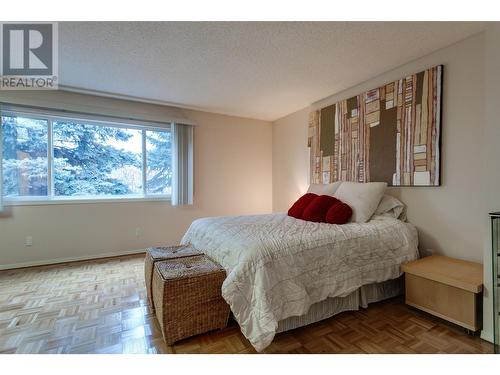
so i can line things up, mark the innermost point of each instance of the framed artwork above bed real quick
(391, 134)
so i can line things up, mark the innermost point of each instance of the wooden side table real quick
(446, 287)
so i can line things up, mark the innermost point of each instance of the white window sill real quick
(41, 201)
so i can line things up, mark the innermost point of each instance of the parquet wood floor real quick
(100, 306)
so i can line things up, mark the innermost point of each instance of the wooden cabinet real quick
(446, 287)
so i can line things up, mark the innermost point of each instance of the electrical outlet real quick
(138, 232)
(28, 241)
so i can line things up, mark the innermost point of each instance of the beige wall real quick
(290, 159)
(491, 181)
(233, 175)
(451, 219)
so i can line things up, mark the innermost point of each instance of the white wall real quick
(451, 219)
(233, 175)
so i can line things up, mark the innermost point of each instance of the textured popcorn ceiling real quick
(258, 70)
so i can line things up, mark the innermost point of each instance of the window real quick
(25, 156)
(49, 157)
(159, 162)
(92, 160)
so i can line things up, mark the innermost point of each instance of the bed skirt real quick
(331, 306)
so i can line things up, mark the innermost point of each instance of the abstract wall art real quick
(391, 133)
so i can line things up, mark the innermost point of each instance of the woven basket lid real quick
(187, 267)
(169, 252)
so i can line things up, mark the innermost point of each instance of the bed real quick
(283, 272)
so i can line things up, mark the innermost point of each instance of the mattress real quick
(278, 266)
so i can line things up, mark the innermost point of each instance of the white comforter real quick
(278, 266)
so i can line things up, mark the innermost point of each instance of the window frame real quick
(96, 120)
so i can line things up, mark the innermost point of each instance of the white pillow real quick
(324, 189)
(392, 207)
(363, 198)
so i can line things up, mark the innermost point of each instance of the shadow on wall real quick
(6, 212)
(428, 242)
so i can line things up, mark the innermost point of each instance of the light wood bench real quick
(446, 287)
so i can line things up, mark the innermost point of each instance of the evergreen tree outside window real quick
(25, 156)
(46, 157)
(92, 160)
(159, 162)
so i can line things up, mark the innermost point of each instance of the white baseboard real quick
(65, 260)
(487, 336)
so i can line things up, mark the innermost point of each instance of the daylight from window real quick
(159, 162)
(96, 160)
(25, 162)
(88, 160)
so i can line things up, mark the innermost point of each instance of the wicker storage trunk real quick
(187, 296)
(156, 254)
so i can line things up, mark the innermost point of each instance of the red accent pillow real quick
(317, 209)
(298, 207)
(339, 213)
